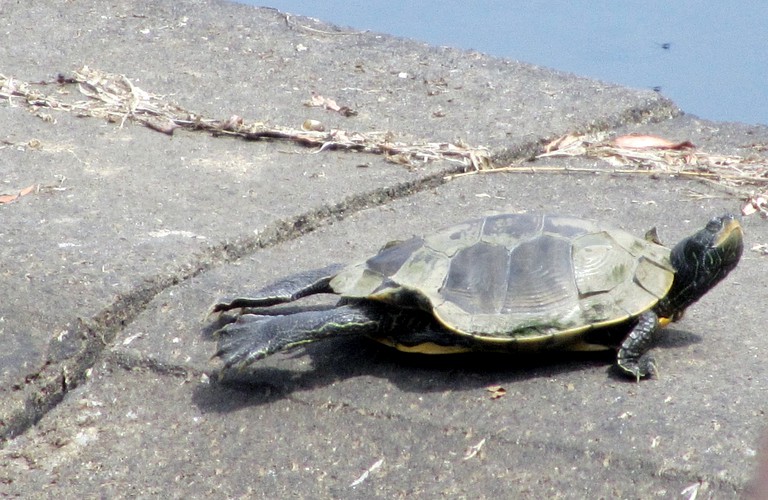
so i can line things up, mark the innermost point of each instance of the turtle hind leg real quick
(255, 337)
(286, 290)
(633, 358)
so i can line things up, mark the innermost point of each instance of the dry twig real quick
(115, 98)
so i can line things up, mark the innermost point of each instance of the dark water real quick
(711, 58)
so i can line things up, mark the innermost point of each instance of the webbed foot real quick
(244, 341)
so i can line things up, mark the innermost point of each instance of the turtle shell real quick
(517, 277)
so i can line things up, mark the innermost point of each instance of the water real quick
(711, 58)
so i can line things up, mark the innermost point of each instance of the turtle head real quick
(700, 262)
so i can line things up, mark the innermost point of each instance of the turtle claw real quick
(243, 342)
(642, 367)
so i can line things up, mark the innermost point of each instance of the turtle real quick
(499, 283)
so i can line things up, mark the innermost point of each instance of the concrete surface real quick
(109, 272)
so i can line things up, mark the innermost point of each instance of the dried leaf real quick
(496, 391)
(755, 204)
(8, 198)
(636, 141)
(161, 125)
(318, 101)
(27, 190)
(399, 159)
(562, 142)
(233, 123)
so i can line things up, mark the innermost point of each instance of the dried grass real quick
(116, 99)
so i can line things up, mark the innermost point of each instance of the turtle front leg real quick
(633, 358)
